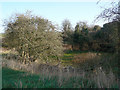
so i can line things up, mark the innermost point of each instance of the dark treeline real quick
(91, 38)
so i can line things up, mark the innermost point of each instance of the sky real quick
(54, 11)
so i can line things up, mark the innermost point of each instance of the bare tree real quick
(112, 13)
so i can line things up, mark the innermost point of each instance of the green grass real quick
(75, 52)
(19, 79)
(107, 61)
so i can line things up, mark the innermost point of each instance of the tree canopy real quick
(34, 38)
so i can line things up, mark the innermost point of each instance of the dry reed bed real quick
(101, 79)
(65, 74)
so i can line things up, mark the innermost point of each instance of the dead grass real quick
(95, 67)
(61, 80)
(79, 58)
(104, 80)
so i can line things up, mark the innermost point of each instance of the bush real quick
(34, 38)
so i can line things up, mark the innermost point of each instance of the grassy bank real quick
(19, 79)
(92, 60)
(99, 70)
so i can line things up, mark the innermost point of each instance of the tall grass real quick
(93, 71)
(19, 79)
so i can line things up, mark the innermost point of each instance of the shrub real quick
(34, 38)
